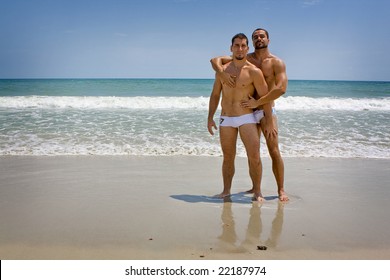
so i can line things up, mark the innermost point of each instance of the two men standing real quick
(248, 81)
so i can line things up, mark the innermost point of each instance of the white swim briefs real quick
(237, 121)
(259, 114)
(254, 117)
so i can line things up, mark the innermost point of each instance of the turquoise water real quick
(168, 117)
(179, 87)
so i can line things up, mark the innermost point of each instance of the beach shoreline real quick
(162, 207)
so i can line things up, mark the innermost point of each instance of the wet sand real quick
(123, 207)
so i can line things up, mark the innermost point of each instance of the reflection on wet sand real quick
(229, 241)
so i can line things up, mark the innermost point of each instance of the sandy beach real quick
(128, 207)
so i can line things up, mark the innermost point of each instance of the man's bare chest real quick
(265, 65)
(242, 79)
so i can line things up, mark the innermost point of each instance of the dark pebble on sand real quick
(262, 248)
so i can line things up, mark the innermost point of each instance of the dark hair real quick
(240, 36)
(266, 32)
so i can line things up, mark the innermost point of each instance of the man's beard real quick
(239, 57)
(261, 47)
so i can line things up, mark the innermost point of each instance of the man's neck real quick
(262, 53)
(239, 63)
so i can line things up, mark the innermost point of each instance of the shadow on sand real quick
(242, 197)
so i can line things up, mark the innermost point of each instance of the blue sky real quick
(318, 39)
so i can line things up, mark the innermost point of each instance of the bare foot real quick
(222, 195)
(283, 197)
(258, 198)
(250, 191)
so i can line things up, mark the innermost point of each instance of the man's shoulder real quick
(253, 70)
(275, 59)
(251, 67)
(250, 55)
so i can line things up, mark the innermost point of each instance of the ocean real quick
(167, 117)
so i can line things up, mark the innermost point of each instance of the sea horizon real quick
(174, 78)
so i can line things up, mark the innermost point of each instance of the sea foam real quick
(191, 103)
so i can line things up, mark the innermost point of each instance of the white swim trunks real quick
(237, 121)
(259, 114)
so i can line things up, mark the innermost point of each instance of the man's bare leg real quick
(252, 190)
(228, 138)
(249, 137)
(277, 162)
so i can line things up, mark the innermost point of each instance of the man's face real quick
(260, 40)
(239, 48)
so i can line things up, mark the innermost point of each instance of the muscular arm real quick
(259, 81)
(280, 84)
(213, 104)
(262, 89)
(217, 64)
